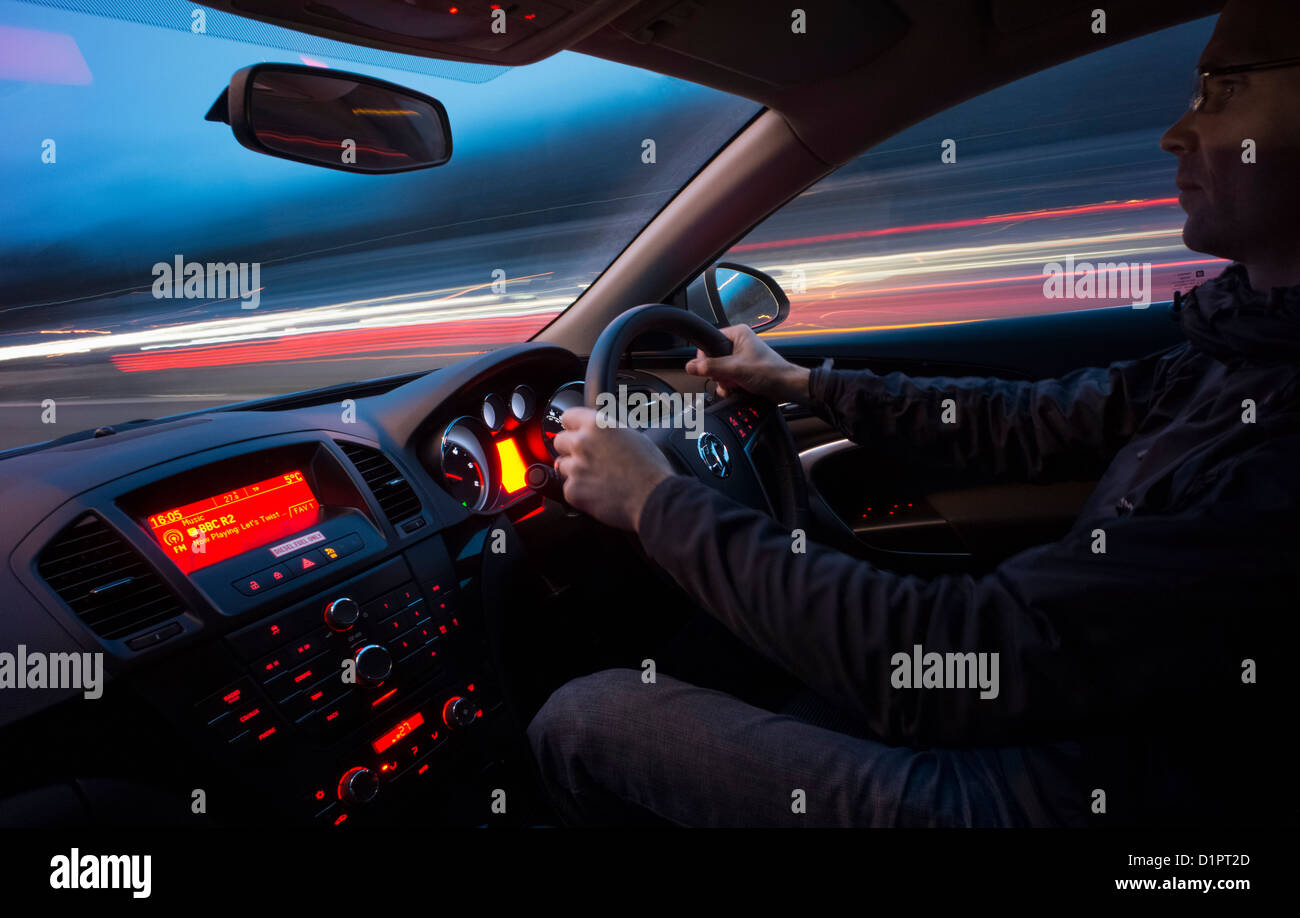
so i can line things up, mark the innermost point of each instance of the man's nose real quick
(1180, 139)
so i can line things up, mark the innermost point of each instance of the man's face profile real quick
(1238, 209)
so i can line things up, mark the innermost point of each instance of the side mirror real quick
(338, 120)
(731, 294)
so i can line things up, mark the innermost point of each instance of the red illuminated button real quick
(296, 680)
(398, 624)
(233, 696)
(385, 605)
(273, 576)
(308, 562)
(251, 586)
(308, 645)
(270, 667)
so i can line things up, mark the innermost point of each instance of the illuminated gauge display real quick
(523, 402)
(570, 395)
(466, 474)
(494, 412)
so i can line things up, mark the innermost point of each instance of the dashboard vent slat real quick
(396, 497)
(104, 580)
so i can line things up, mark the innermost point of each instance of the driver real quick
(1131, 664)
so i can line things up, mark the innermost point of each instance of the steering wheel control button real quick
(373, 664)
(743, 420)
(342, 614)
(714, 453)
(358, 785)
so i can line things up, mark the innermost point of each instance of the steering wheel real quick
(743, 448)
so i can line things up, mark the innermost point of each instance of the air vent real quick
(104, 580)
(391, 489)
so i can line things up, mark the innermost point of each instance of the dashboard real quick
(492, 434)
(288, 593)
(483, 458)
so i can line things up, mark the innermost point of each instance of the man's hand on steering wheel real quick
(752, 366)
(608, 472)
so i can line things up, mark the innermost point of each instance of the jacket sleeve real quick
(1159, 622)
(1052, 429)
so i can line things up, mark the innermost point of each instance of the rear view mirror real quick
(337, 120)
(731, 294)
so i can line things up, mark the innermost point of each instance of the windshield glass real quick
(113, 179)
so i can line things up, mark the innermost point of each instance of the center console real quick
(295, 610)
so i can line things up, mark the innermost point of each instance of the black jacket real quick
(1197, 498)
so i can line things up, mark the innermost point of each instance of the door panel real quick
(926, 522)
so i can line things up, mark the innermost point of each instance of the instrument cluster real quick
(482, 458)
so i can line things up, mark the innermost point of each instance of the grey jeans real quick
(614, 750)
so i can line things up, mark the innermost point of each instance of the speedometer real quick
(466, 474)
(567, 396)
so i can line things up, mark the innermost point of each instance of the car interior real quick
(421, 542)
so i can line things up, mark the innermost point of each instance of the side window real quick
(1046, 195)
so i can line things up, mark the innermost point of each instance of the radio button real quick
(340, 712)
(384, 606)
(265, 636)
(397, 624)
(272, 665)
(310, 644)
(401, 647)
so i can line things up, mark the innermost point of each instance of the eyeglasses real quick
(1213, 92)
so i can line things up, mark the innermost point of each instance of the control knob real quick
(459, 712)
(358, 785)
(342, 614)
(372, 664)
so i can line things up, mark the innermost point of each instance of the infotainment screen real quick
(227, 524)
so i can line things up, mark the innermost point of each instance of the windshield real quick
(113, 179)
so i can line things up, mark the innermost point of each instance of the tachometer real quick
(466, 474)
(569, 395)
